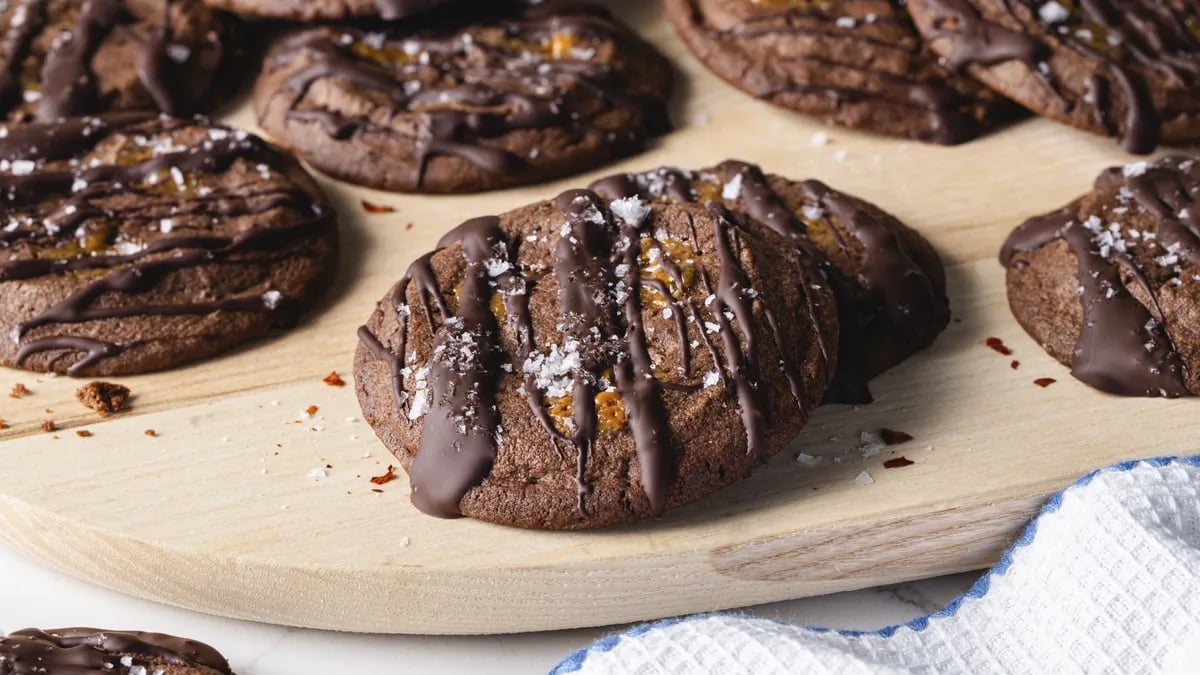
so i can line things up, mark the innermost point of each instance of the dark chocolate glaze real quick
(76, 651)
(928, 88)
(48, 207)
(605, 327)
(1124, 347)
(1128, 40)
(67, 82)
(467, 92)
(889, 282)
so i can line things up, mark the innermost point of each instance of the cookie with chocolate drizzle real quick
(131, 243)
(69, 58)
(315, 10)
(533, 93)
(583, 362)
(89, 650)
(888, 280)
(1124, 68)
(856, 63)
(1108, 283)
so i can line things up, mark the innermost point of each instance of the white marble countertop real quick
(33, 596)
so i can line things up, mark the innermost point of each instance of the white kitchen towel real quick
(1106, 579)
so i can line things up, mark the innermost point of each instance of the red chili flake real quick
(1015, 364)
(151, 433)
(311, 410)
(891, 437)
(49, 426)
(1044, 381)
(998, 345)
(898, 462)
(83, 433)
(19, 391)
(334, 380)
(385, 478)
(377, 208)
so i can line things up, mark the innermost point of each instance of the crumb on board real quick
(898, 462)
(864, 478)
(334, 380)
(1015, 364)
(997, 345)
(19, 391)
(1044, 382)
(311, 410)
(385, 478)
(105, 398)
(408, 226)
(83, 433)
(49, 426)
(370, 207)
(893, 437)
(3, 424)
(151, 433)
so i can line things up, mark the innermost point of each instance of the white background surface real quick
(33, 596)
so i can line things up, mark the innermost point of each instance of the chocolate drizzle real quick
(1124, 345)
(888, 282)
(90, 650)
(66, 84)
(1130, 43)
(56, 206)
(599, 265)
(873, 56)
(467, 87)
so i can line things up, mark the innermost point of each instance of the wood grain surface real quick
(219, 513)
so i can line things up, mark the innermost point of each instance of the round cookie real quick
(888, 280)
(68, 58)
(593, 362)
(315, 10)
(1125, 68)
(855, 63)
(90, 650)
(133, 243)
(551, 90)
(1110, 284)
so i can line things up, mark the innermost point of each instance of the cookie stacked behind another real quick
(534, 92)
(77, 651)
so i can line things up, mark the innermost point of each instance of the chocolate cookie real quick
(549, 91)
(68, 58)
(857, 63)
(584, 362)
(888, 280)
(132, 243)
(312, 10)
(1127, 68)
(89, 650)
(1110, 284)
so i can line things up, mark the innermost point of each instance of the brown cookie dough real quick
(855, 63)
(1110, 284)
(310, 10)
(593, 361)
(888, 280)
(131, 243)
(1125, 68)
(542, 92)
(89, 650)
(67, 58)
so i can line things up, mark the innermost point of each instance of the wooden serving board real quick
(218, 512)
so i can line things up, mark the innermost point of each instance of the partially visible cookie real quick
(68, 58)
(1110, 284)
(888, 279)
(133, 243)
(584, 362)
(855, 63)
(1125, 68)
(543, 91)
(76, 651)
(313, 10)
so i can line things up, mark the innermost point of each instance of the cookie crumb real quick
(898, 462)
(49, 426)
(83, 433)
(151, 433)
(3, 424)
(377, 208)
(892, 437)
(334, 380)
(386, 478)
(311, 410)
(1044, 382)
(19, 391)
(1015, 364)
(998, 345)
(408, 226)
(105, 398)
